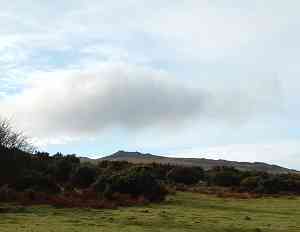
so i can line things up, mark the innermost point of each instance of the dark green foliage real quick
(292, 182)
(13, 162)
(271, 184)
(275, 184)
(62, 170)
(108, 192)
(136, 181)
(113, 167)
(226, 176)
(160, 171)
(7, 194)
(84, 176)
(251, 183)
(61, 167)
(40, 172)
(37, 182)
(185, 175)
(102, 182)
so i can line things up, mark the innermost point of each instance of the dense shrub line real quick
(62, 180)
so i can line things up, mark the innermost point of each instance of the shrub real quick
(13, 162)
(268, 184)
(160, 171)
(7, 194)
(37, 182)
(226, 177)
(250, 183)
(101, 184)
(62, 170)
(186, 175)
(113, 167)
(271, 185)
(84, 177)
(107, 193)
(137, 181)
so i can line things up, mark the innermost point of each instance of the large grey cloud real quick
(130, 97)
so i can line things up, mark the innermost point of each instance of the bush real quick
(186, 175)
(113, 167)
(108, 192)
(7, 194)
(160, 171)
(271, 185)
(226, 177)
(63, 170)
(13, 163)
(37, 182)
(138, 181)
(101, 183)
(251, 183)
(84, 177)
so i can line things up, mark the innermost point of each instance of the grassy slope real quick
(183, 212)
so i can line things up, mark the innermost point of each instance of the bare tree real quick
(11, 138)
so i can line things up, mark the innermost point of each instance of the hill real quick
(137, 157)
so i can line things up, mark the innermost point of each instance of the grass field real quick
(183, 212)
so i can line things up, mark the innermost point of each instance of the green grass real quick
(183, 212)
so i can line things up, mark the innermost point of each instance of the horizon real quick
(172, 156)
(182, 78)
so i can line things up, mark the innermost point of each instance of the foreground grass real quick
(183, 212)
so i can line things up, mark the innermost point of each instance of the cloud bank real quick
(130, 97)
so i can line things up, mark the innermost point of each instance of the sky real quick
(214, 79)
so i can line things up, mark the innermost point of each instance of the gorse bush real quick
(36, 182)
(250, 183)
(185, 175)
(84, 177)
(135, 181)
(13, 163)
(114, 167)
(225, 176)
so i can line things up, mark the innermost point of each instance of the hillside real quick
(137, 157)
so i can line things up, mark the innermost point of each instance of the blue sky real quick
(216, 79)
